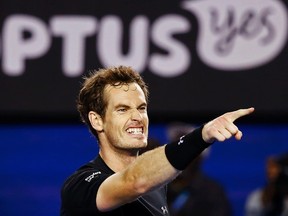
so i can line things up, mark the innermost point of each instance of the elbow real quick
(139, 185)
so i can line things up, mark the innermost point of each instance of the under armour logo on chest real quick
(181, 140)
(164, 210)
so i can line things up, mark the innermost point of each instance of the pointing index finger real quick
(239, 113)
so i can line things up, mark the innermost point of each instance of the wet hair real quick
(91, 96)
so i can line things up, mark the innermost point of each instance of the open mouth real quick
(135, 131)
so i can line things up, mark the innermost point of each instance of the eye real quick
(122, 110)
(143, 109)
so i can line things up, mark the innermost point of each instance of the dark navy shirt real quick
(79, 191)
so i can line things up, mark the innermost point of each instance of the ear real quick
(96, 121)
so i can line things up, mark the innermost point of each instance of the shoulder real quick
(88, 177)
(79, 191)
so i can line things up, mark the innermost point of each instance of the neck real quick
(118, 161)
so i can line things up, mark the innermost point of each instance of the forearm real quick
(151, 170)
(163, 164)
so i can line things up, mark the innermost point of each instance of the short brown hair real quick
(91, 95)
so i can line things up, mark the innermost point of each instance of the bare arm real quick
(149, 171)
(152, 169)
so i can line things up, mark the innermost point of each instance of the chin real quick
(136, 143)
(142, 145)
(139, 145)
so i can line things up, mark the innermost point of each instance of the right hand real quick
(223, 128)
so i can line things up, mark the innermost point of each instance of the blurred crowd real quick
(272, 199)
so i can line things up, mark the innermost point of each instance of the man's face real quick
(126, 121)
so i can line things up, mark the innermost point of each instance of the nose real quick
(136, 115)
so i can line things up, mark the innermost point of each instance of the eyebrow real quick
(127, 106)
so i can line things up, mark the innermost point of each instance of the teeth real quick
(135, 130)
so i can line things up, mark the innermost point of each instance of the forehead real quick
(124, 93)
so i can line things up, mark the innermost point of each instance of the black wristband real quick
(182, 152)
